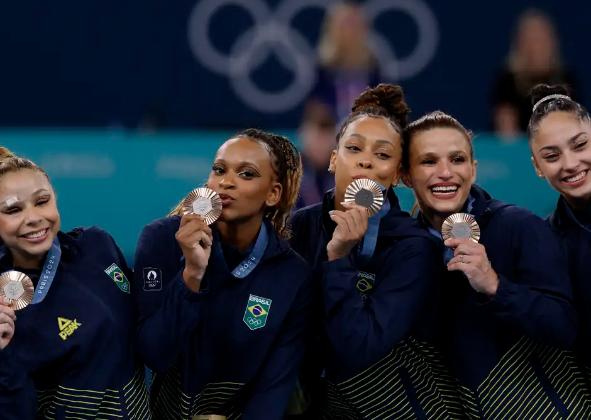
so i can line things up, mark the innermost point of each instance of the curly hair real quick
(386, 101)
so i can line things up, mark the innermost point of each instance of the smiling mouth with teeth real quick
(444, 190)
(36, 234)
(576, 177)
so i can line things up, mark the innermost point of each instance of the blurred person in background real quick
(534, 58)
(317, 134)
(347, 64)
(560, 141)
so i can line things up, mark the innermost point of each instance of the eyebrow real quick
(241, 163)
(13, 202)
(379, 141)
(571, 140)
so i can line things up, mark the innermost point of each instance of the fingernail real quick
(343, 203)
(331, 212)
(447, 241)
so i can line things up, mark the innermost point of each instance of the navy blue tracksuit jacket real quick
(378, 318)
(72, 355)
(509, 352)
(207, 356)
(574, 232)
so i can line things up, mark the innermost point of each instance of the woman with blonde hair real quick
(347, 64)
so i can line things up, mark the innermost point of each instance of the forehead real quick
(439, 140)
(559, 127)
(22, 184)
(373, 128)
(244, 149)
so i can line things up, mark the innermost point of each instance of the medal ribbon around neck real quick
(52, 261)
(370, 239)
(245, 267)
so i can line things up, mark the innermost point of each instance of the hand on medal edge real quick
(195, 239)
(470, 258)
(351, 227)
(7, 318)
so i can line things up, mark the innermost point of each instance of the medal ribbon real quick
(245, 267)
(368, 246)
(52, 261)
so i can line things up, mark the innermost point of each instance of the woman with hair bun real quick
(560, 141)
(379, 281)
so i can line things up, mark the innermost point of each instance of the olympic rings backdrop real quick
(238, 63)
(121, 182)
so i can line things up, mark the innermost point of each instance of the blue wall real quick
(101, 63)
(121, 182)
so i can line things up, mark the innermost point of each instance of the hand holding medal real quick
(363, 199)
(202, 207)
(16, 292)
(461, 233)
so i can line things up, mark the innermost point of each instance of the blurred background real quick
(124, 104)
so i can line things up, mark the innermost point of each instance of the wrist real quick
(492, 285)
(192, 277)
(336, 251)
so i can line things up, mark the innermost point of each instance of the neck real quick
(27, 261)
(435, 219)
(241, 234)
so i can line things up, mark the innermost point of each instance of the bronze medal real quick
(18, 288)
(204, 202)
(460, 226)
(366, 193)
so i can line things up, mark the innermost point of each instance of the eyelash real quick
(553, 157)
(14, 210)
(357, 149)
(247, 174)
(457, 159)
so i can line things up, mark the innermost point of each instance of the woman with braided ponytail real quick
(221, 340)
(379, 282)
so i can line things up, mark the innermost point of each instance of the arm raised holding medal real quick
(195, 239)
(351, 227)
(173, 311)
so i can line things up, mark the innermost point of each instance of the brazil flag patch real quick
(257, 311)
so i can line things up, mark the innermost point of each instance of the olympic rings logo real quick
(254, 322)
(273, 33)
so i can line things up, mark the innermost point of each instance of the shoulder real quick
(290, 260)
(91, 235)
(162, 226)
(306, 214)
(90, 242)
(517, 216)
